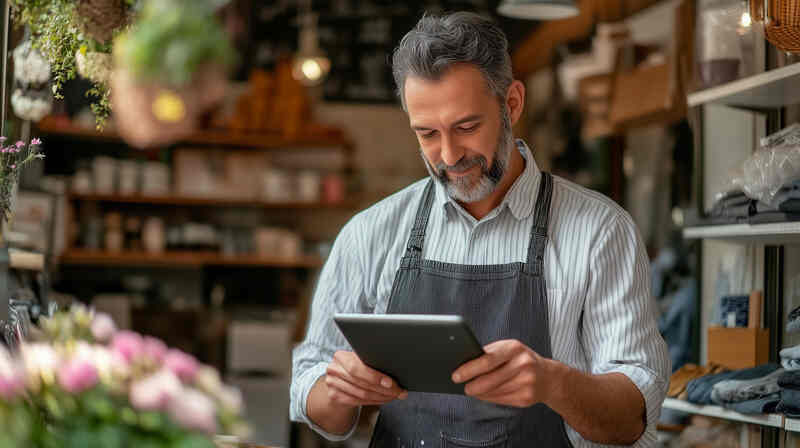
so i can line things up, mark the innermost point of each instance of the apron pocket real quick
(453, 442)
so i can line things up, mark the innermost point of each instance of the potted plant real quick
(170, 68)
(81, 383)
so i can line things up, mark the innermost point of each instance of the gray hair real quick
(438, 42)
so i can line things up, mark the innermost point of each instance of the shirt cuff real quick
(653, 389)
(310, 378)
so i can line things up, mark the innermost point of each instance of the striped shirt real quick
(602, 316)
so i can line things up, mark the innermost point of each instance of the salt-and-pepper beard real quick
(464, 189)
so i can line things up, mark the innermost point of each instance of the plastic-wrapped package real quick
(773, 166)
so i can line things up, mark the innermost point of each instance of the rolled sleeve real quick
(620, 332)
(652, 387)
(339, 289)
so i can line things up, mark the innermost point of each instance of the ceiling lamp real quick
(538, 9)
(310, 65)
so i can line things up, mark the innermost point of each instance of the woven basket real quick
(781, 22)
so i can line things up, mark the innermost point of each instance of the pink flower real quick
(36, 141)
(194, 411)
(128, 344)
(13, 166)
(183, 365)
(77, 375)
(12, 381)
(19, 144)
(154, 349)
(156, 392)
(2, 139)
(103, 327)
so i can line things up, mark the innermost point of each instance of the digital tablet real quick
(419, 351)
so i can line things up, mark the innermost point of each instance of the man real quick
(551, 276)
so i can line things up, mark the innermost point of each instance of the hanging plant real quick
(175, 50)
(60, 29)
(31, 98)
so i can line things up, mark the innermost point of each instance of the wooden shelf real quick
(207, 202)
(183, 259)
(773, 420)
(20, 259)
(771, 89)
(221, 138)
(774, 233)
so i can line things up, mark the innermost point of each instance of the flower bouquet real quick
(81, 383)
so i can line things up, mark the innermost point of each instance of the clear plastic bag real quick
(774, 165)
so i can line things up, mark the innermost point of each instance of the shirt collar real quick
(519, 198)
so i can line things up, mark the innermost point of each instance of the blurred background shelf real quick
(183, 258)
(272, 141)
(20, 259)
(773, 420)
(771, 89)
(208, 201)
(773, 233)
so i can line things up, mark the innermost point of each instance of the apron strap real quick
(541, 220)
(417, 238)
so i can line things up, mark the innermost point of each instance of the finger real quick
(497, 353)
(367, 375)
(363, 395)
(488, 383)
(339, 371)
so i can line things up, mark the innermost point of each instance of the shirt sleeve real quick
(339, 289)
(620, 333)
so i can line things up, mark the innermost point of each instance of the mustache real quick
(461, 166)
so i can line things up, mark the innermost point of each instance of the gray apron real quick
(507, 301)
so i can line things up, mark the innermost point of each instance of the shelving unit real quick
(31, 261)
(183, 259)
(769, 234)
(766, 93)
(769, 90)
(772, 420)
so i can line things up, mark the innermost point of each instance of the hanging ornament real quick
(31, 98)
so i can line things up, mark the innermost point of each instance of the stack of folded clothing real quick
(699, 391)
(789, 383)
(734, 206)
(749, 396)
(681, 377)
(790, 358)
(793, 321)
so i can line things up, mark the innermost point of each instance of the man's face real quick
(464, 134)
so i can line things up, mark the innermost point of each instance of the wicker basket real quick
(781, 22)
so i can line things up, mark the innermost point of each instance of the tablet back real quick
(420, 352)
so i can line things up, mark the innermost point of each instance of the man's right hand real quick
(350, 383)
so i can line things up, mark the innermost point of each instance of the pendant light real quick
(310, 65)
(538, 9)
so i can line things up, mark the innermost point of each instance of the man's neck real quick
(479, 209)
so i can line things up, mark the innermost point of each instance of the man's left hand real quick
(510, 373)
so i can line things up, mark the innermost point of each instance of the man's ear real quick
(515, 100)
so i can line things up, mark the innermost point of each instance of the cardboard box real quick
(738, 348)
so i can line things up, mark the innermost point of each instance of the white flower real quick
(157, 391)
(29, 108)
(103, 327)
(194, 410)
(208, 380)
(30, 66)
(231, 399)
(41, 362)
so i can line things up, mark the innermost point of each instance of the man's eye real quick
(428, 134)
(469, 128)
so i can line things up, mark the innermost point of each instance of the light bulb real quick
(311, 69)
(746, 20)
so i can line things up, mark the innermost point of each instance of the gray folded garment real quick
(790, 363)
(734, 391)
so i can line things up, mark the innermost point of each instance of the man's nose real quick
(451, 153)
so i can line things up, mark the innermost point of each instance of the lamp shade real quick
(538, 9)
